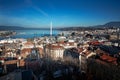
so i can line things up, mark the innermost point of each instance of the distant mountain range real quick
(10, 28)
(107, 25)
(112, 24)
(19, 28)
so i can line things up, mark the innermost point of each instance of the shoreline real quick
(5, 34)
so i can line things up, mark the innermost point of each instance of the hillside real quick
(10, 28)
(107, 25)
(21, 28)
(112, 24)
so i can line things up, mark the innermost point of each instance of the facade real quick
(55, 51)
(71, 52)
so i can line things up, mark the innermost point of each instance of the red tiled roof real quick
(108, 58)
(1, 58)
(71, 43)
(95, 43)
(61, 42)
(102, 62)
(26, 50)
(54, 46)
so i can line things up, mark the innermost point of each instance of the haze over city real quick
(63, 13)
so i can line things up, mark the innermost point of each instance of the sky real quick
(62, 13)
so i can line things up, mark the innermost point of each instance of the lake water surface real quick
(33, 33)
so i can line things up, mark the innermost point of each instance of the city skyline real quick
(62, 13)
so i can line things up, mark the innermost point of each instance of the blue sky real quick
(63, 13)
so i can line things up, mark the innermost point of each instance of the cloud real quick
(29, 2)
(41, 11)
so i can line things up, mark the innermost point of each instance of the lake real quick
(33, 33)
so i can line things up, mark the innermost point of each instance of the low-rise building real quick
(54, 50)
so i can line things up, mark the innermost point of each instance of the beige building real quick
(55, 51)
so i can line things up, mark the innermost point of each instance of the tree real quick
(73, 34)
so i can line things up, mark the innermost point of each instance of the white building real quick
(12, 40)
